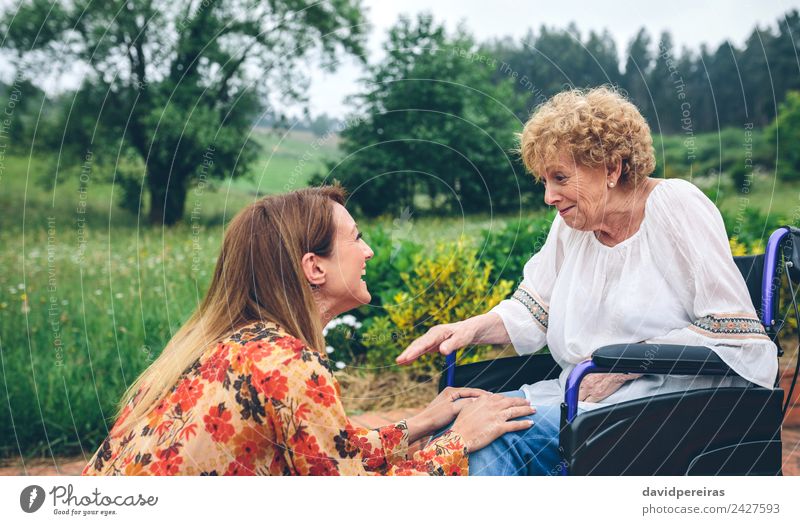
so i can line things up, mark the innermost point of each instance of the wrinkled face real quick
(579, 192)
(344, 286)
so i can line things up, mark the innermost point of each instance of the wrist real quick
(473, 328)
(418, 426)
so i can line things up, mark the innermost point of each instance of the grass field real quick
(89, 294)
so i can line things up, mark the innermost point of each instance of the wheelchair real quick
(711, 432)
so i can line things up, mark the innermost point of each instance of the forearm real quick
(419, 426)
(487, 329)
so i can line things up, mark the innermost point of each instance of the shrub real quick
(450, 285)
(509, 249)
(393, 257)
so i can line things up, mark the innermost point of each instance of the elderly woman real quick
(628, 259)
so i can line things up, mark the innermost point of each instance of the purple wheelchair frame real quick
(588, 367)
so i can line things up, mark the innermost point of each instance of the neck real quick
(325, 309)
(623, 214)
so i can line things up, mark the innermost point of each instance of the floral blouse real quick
(261, 402)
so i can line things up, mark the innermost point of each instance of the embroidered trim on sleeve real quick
(729, 326)
(536, 307)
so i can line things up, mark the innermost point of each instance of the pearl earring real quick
(611, 184)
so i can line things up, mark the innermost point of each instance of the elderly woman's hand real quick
(486, 329)
(444, 338)
(596, 387)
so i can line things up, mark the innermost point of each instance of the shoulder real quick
(683, 219)
(274, 363)
(678, 202)
(266, 349)
(679, 192)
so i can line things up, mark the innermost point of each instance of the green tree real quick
(178, 81)
(785, 131)
(637, 71)
(432, 123)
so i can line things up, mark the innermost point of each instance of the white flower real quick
(349, 320)
(329, 349)
(118, 295)
(340, 364)
(21, 286)
(98, 291)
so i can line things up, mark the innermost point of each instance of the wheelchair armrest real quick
(641, 358)
(644, 358)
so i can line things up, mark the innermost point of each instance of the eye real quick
(359, 236)
(559, 177)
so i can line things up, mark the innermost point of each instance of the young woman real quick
(245, 387)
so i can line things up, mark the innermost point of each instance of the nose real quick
(551, 197)
(368, 253)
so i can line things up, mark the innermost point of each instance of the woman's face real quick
(344, 288)
(578, 192)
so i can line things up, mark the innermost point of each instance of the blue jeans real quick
(531, 452)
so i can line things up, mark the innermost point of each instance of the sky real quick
(691, 23)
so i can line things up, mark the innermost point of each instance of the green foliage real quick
(787, 127)
(393, 257)
(734, 151)
(450, 285)
(750, 228)
(433, 123)
(509, 249)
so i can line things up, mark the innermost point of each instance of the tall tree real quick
(665, 81)
(637, 70)
(433, 123)
(180, 81)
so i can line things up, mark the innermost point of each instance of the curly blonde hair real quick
(598, 126)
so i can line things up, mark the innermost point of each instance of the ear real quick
(314, 271)
(614, 172)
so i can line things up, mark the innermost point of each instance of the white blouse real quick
(673, 282)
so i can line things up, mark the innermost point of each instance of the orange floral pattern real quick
(262, 402)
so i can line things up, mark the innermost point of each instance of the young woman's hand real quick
(441, 411)
(488, 417)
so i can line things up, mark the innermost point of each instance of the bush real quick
(509, 249)
(393, 257)
(750, 228)
(451, 285)
(787, 127)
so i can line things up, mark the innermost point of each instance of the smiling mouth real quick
(565, 210)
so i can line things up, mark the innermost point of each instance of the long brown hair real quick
(258, 277)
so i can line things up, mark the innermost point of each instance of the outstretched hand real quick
(443, 338)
